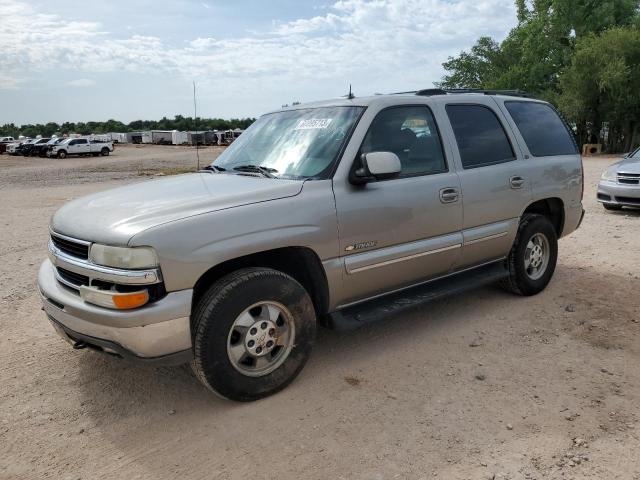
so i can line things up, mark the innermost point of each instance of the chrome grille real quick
(71, 247)
(629, 178)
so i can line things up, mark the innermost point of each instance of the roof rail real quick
(446, 91)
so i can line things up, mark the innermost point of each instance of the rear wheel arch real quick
(300, 263)
(552, 208)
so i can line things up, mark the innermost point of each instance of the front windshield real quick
(293, 144)
(635, 154)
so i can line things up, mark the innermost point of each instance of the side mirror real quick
(376, 166)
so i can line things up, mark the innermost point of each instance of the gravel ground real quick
(484, 386)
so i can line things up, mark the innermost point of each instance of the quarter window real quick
(411, 133)
(480, 136)
(543, 130)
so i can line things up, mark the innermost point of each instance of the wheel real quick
(533, 257)
(104, 152)
(61, 154)
(253, 332)
(611, 206)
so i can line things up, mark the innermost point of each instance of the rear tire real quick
(611, 206)
(253, 333)
(533, 257)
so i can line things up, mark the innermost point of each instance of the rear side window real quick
(480, 136)
(542, 129)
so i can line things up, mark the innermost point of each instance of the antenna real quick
(195, 124)
(351, 95)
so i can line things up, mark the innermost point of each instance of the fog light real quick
(112, 299)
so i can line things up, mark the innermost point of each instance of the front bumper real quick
(159, 332)
(616, 194)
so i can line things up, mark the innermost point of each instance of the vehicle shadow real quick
(131, 405)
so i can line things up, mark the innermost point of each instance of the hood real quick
(629, 165)
(114, 216)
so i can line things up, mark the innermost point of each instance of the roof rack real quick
(428, 92)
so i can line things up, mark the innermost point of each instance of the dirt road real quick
(488, 385)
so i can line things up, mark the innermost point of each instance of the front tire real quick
(61, 154)
(533, 257)
(253, 333)
(104, 152)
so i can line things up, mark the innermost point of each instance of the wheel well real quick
(553, 209)
(301, 263)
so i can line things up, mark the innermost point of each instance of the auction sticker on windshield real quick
(313, 123)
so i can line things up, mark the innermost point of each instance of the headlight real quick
(122, 257)
(610, 174)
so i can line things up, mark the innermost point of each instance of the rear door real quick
(494, 177)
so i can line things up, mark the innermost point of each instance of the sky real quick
(82, 60)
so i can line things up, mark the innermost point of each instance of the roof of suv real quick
(400, 98)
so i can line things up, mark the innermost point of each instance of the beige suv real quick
(342, 212)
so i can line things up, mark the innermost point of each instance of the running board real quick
(350, 318)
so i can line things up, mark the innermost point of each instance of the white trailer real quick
(117, 137)
(147, 137)
(179, 138)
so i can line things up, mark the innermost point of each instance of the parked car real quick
(620, 183)
(80, 146)
(41, 149)
(341, 212)
(4, 141)
(28, 149)
(15, 147)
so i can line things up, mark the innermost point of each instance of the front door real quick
(398, 232)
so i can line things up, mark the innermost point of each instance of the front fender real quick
(189, 247)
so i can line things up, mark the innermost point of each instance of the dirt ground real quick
(484, 386)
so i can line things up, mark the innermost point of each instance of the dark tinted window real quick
(480, 136)
(411, 133)
(542, 129)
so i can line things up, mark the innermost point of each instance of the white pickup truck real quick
(80, 146)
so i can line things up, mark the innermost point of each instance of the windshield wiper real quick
(213, 168)
(265, 171)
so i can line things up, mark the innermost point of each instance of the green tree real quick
(537, 50)
(602, 83)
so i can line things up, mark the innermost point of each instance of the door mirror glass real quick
(378, 166)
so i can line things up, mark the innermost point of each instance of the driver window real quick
(73, 142)
(410, 133)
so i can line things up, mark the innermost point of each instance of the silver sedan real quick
(620, 183)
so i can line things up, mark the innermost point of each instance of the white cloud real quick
(376, 45)
(81, 82)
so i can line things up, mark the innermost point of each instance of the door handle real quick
(516, 181)
(449, 195)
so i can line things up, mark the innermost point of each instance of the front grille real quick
(628, 200)
(629, 178)
(75, 249)
(73, 277)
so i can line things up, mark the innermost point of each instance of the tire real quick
(61, 154)
(611, 206)
(534, 231)
(104, 152)
(246, 296)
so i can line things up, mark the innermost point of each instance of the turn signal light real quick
(112, 299)
(130, 300)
